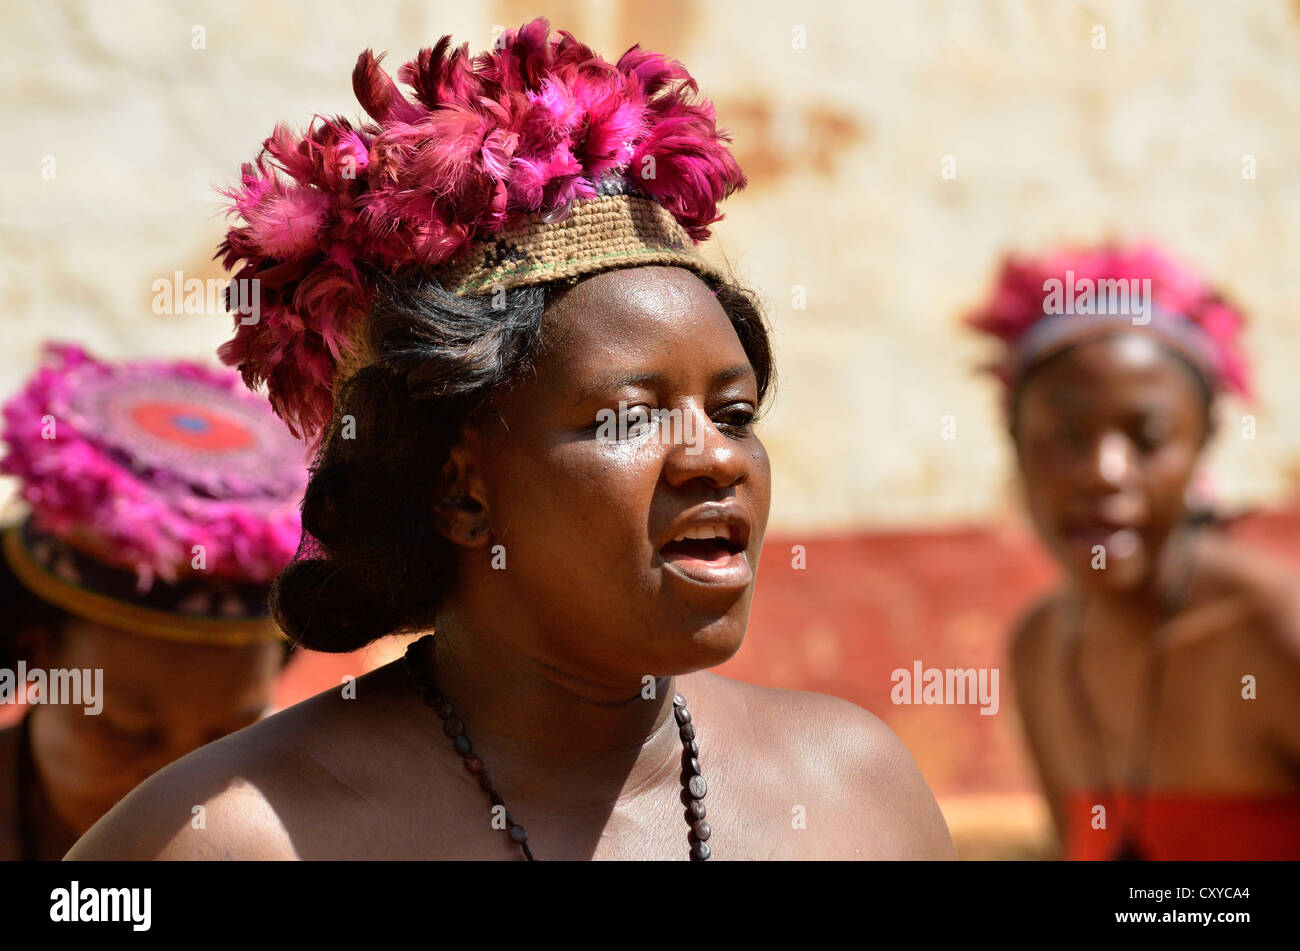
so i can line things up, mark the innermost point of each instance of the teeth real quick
(705, 532)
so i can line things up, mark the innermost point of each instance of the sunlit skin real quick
(161, 700)
(1108, 436)
(563, 663)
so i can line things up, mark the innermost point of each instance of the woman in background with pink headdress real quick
(160, 500)
(1160, 685)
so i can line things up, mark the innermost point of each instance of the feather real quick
(484, 143)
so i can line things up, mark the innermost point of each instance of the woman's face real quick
(1108, 434)
(589, 499)
(160, 700)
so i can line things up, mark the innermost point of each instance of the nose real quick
(700, 450)
(1112, 461)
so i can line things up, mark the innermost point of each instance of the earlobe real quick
(462, 526)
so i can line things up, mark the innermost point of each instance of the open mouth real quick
(709, 554)
(1120, 541)
(706, 544)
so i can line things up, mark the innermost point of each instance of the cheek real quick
(1044, 484)
(573, 498)
(1167, 480)
(96, 755)
(760, 485)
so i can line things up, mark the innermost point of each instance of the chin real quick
(1120, 576)
(707, 646)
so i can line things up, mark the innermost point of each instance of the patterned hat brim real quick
(195, 611)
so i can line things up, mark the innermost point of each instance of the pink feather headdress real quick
(492, 151)
(1190, 315)
(152, 482)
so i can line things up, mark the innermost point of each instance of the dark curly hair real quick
(372, 561)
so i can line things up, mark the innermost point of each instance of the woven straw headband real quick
(613, 230)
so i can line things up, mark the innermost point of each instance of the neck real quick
(572, 738)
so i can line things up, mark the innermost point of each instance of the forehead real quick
(1112, 370)
(154, 670)
(664, 311)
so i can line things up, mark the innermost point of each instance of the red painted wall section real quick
(866, 604)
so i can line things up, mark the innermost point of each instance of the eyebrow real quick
(619, 380)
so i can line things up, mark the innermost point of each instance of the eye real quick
(1151, 433)
(136, 730)
(1067, 434)
(736, 419)
(637, 421)
(624, 424)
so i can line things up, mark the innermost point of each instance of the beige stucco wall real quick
(1053, 140)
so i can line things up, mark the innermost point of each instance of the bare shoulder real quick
(207, 805)
(246, 796)
(848, 760)
(1264, 592)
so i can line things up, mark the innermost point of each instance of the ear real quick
(460, 506)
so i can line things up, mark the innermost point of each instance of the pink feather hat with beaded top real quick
(533, 162)
(162, 496)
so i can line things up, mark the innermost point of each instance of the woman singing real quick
(535, 403)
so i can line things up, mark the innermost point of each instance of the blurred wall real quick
(120, 120)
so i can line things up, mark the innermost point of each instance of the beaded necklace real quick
(418, 660)
(1172, 601)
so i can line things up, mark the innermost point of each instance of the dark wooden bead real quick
(692, 766)
(485, 782)
(683, 716)
(679, 700)
(443, 710)
(701, 830)
(688, 732)
(496, 798)
(694, 747)
(695, 811)
(700, 852)
(432, 699)
(697, 787)
(453, 726)
(518, 834)
(461, 742)
(474, 764)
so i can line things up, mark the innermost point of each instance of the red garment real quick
(1184, 826)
